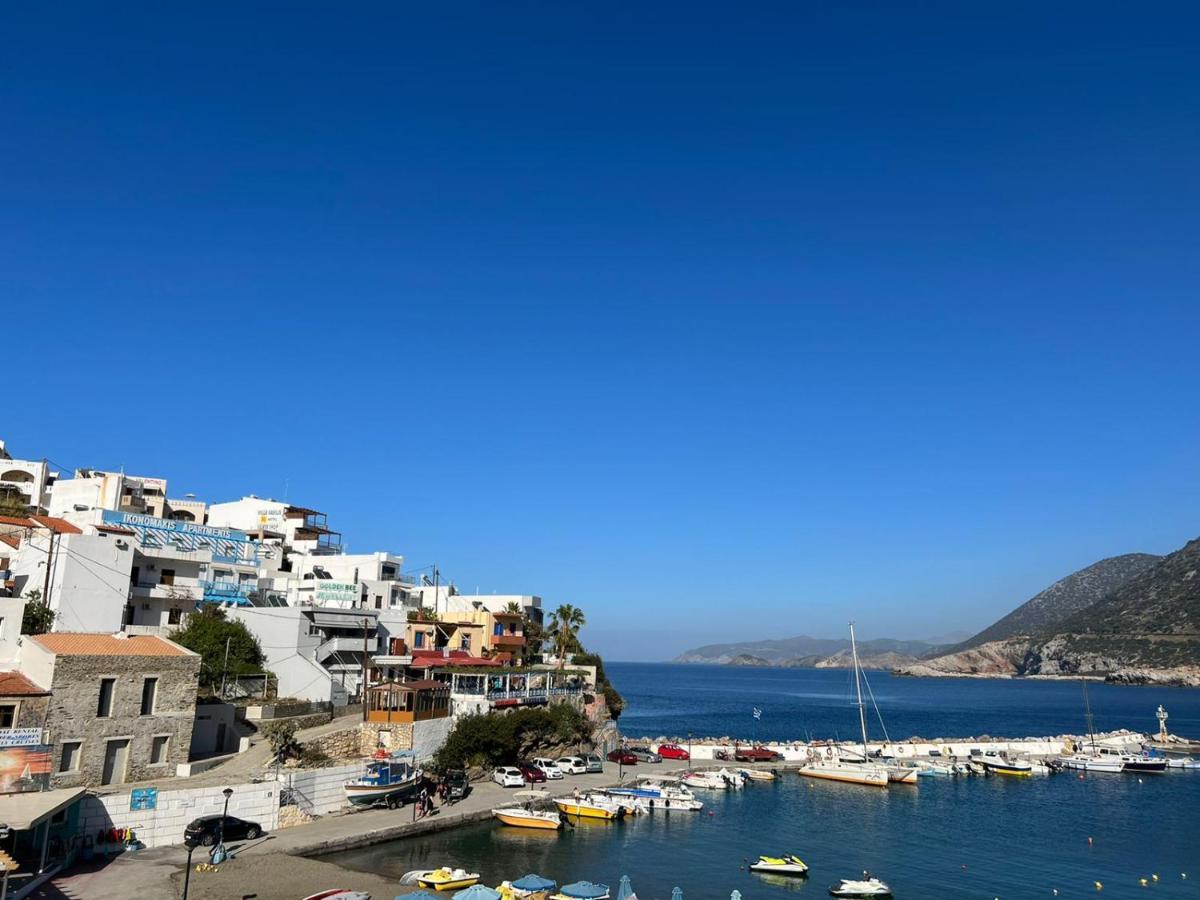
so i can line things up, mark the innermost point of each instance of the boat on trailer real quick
(390, 778)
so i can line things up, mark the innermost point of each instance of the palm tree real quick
(513, 607)
(565, 623)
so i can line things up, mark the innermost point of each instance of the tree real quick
(207, 632)
(38, 617)
(564, 626)
(513, 608)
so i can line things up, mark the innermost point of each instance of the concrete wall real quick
(72, 712)
(12, 611)
(90, 581)
(319, 791)
(289, 649)
(164, 826)
(207, 732)
(428, 736)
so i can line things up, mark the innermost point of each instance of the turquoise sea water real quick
(965, 837)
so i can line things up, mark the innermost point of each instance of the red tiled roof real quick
(14, 542)
(68, 644)
(115, 529)
(15, 520)
(14, 684)
(55, 524)
(456, 658)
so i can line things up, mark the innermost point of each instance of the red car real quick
(531, 774)
(673, 751)
(624, 757)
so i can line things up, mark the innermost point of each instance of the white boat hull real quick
(1093, 764)
(874, 776)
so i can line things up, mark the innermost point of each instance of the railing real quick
(532, 693)
(227, 589)
(346, 644)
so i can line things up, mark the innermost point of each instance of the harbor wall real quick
(317, 792)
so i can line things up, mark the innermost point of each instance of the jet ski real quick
(867, 886)
(780, 865)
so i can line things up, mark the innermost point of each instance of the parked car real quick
(593, 762)
(622, 756)
(531, 773)
(645, 754)
(673, 751)
(206, 830)
(508, 776)
(457, 786)
(756, 754)
(572, 765)
(549, 766)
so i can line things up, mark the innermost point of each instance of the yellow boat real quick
(528, 818)
(444, 879)
(586, 808)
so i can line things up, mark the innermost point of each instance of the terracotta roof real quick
(68, 644)
(14, 684)
(15, 520)
(14, 542)
(55, 524)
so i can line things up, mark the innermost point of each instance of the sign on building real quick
(20, 737)
(339, 593)
(143, 798)
(25, 768)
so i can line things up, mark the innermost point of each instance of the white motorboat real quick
(780, 865)
(1182, 762)
(717, 780)
(1088, 762)
(852, 773)
(756, 774)
(864, 887)
(1137, 763)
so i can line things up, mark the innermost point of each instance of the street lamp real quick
(190, 843)
(228, 792)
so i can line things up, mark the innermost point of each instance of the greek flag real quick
(756, 712)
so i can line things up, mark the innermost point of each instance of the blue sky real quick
(719, 323)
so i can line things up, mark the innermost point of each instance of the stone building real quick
(121, 708)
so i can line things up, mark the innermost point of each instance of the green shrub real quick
(499, 739)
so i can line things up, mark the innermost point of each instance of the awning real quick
(22, 812)
(350, 618)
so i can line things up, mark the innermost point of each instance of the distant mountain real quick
(783, 650)
(745, 659)
(1047, 612)
(1130, 617)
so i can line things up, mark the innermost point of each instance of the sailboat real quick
(833, 768)
(1094, 761)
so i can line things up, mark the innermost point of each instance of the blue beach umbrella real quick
(584, 890)
(477, 892)
(534, 882)
(625, 889)
(419, 895)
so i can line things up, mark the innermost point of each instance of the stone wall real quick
(31, 711)
(72, 714)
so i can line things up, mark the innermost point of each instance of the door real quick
(220, 748)
(116, 760)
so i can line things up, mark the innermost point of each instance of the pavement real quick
(268, 867)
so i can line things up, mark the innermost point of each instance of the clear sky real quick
(719, 321)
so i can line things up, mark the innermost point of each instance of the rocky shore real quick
(1181, 676)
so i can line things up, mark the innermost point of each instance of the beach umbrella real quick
(419, 895)
(625, 889)
(534, 882)
(477, 892)
(584, 890)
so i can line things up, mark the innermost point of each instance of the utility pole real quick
(225, 668)
(362, 691)
(436, 573)
(49, 563)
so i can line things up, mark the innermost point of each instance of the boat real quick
(586, 806)
(713, 779)
(1182, 762)
(757, 774)
(1095, 761)
(1137, 763)
(867, 886)
(994, 764)
(582, 890)
(651, 802)
(447, 879)
(390, 779)
(902, 774)
(524, 812)
(832, 767)
(780, 865)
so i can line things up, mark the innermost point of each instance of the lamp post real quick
(187, 873)
(228, 792)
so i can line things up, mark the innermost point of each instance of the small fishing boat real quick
(650, 802)
(757, 774)
(710, 779)
(780, 865)
(530, 810)
(446, 879)
(867, 886)
(389, 779)
(999, 765)
(582, 890)
(589, 807)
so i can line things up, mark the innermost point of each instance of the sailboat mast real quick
(1087, 705)
(862, 715)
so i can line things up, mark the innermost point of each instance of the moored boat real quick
(529, 810)
(780, 865)
(1014, 768)
(390, 779)
(866, 886)
(851, 773)
(589, 807)
(445, 879)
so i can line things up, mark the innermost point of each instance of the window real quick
(8, 715)
(465, 642)
(149, 694)
(378, 602)
(419, 639)
(158, 750)
(104, 706)
(69, 761)
(167, 576)
(174, 615)
(498, 629)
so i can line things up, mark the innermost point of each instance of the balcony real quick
(346, 644)
(181, 590)
(508, 640)
(228, 592)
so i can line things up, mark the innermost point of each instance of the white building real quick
(316, 654)
(352, 581)
(77, 499)
(25, 481)
(299, 528)
(529, 604)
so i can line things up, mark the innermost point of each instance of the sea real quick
(1049, 836)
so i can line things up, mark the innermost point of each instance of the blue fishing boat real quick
(390, 779)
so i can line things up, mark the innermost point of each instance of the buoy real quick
(1089, 840)
(1055, 892)
(1139, 781)
(1099, 886)
(964, 865)
(1143, 882)
(1155, 877)
(1081, 776)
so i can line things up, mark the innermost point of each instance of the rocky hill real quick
(784, 651)
(1046, 612)
(1143, 628)
(745, 659)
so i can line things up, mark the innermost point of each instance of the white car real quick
(572, 765)
(507, 776)
(548, 766)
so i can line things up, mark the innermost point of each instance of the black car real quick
(457, 786)
(206, 830)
